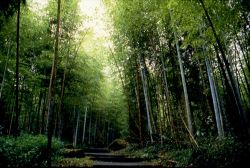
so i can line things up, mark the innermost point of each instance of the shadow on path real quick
(103, 158)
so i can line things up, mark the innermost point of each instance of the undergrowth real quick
(26, 150)
(73, 162)
(211, 152)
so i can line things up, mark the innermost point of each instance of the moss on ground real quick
(73, 162)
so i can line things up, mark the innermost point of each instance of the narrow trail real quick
(103, 158)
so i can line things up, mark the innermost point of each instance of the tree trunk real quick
(38, 111)
(11, 120)
(89, 139)
(108, 133)
(138, 104)
(145, 91)
(51, 94)
(237, 54)
(242, 90)
(184, 85)
(84, 124)
(227, 88)
(166, 91)
(43, 113)
(95, 128)
(216, 104)
(76, 128)
(16, 131)
(237, 98)
(59, 113)
(243, 52)
(5, 68)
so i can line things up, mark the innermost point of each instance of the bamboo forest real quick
(124, 83)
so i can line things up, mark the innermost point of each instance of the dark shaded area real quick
(7, 9)
(74, 153)
(117, 145)
(103, 158)
(231, 155)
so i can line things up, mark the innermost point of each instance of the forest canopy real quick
(151, 72)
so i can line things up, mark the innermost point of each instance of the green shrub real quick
(221, 153)
(25, 150)
(179, 158)
(212, 152)
(135, 151)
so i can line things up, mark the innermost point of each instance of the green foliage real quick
(73, 162)
(140, 29)
(211, 153)
(180, 158)
(135, 151)
(221, 153)
(26, 150)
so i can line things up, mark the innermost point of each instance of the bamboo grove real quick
(62, 90)
(185, 68)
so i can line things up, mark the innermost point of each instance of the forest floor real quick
(101, 157)
(227, 152)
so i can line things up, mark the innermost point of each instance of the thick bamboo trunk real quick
(230, 77)
(216, 104)
(145, 91)
(184, 85)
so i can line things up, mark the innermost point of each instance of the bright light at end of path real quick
(97, 18)
(95, 10)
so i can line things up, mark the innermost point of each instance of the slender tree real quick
(237, 98)
(76, 127)
(145, 91)
(5, 69)
(184, 85)
(16, 131)
(84, 124)
(216, 104)
(51, 94)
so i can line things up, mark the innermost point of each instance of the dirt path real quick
(103, 158)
